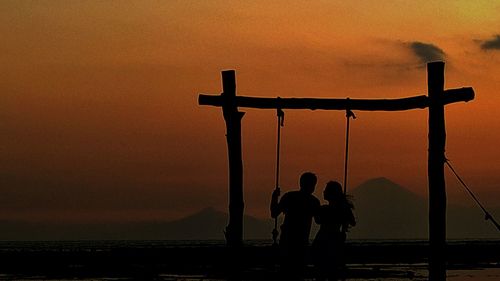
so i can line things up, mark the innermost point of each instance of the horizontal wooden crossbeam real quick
(449, 96)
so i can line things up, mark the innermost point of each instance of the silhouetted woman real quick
(334, 220)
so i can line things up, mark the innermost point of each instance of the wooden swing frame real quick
(436, 98)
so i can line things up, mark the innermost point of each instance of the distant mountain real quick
(210, 224)
(384, 210)
(207, 224)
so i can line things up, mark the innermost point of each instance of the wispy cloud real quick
(491, 44)
(426, 52)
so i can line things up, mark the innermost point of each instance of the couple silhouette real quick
(299, 208)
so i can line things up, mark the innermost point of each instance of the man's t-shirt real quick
(299, 209)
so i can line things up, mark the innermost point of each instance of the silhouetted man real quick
(299, 208)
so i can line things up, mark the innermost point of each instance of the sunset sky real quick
(99, 118)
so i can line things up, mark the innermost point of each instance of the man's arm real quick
(275, 206)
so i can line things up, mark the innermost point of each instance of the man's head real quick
(308, 182)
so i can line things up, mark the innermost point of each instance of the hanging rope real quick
(349, 114)
(281, 123)
(487, 215)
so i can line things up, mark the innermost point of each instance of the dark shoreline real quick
(146, 260)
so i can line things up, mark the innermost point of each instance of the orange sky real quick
(99, 114)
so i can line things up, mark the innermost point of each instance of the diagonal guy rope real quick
(487, 215)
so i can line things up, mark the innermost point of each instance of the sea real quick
(130, 259)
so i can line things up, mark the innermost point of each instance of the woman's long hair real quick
(333, 192)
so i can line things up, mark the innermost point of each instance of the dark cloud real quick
(427, 52)
(492, 44)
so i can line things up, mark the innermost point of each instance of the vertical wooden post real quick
(436, 160)
(232, 117)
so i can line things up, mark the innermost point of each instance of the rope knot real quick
(348, 111)
(280, 113)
